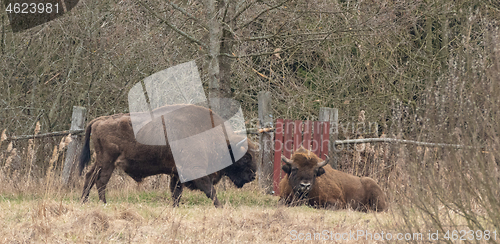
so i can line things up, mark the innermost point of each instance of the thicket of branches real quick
(424, 70)
(351, 55)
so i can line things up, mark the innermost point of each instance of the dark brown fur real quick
(322, 186)
(115, 146)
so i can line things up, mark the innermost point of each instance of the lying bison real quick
(116, 147)
(312, 180)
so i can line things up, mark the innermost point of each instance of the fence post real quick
(331, 115)
(265, 166)
(77, 123)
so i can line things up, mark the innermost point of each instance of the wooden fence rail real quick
(374, 140)
(49, 134)
(394, 140)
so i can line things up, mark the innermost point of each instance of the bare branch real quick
(258, 38)
(226, 10)
(277, 50)
(173, 27)
(250, 55)
(314, 11)
(242, 11)
(183, 11)
(261, 13)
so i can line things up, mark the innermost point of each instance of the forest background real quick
(424, 70)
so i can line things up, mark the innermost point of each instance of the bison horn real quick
(324, 162)
(240, 144)
(285, 160)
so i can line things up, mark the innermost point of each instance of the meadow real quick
(141, 214)
(41, 210)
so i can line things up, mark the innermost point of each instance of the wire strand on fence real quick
(393, 140)
(57, 133)
(266, 130)
(254, 131)
(369, 140)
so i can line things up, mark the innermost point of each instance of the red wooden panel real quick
(297, 135)
(315, 145)
(326, 139)
(288, 141)
(287, 144)
(307, 135)
(278, 145)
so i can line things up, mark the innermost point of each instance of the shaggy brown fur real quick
(310, 179)
(115, 146)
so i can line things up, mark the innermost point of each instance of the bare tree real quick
(248, 31)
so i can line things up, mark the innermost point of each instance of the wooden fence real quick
(284, 138)
(269, 161)
(77, 127)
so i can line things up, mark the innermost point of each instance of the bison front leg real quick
(286, 200)
(175, 189)
(205, 185)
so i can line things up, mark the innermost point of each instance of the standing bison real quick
(116, 147)
(310, 179)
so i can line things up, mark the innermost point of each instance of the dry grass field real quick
(138, 215)
(143, 213)
(146, 217)
(423, 206)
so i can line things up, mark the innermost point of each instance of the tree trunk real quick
(214, 37)
(226, 46)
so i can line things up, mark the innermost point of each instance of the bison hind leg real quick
(102, 180)
(90, 179)
(375, 196)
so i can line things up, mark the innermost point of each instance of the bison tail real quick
(85, 154)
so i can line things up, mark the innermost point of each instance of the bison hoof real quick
(217, 204)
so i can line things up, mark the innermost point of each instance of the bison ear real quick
(286, 168)
(320, 171)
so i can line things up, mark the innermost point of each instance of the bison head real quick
(243, 170)
(302, 170)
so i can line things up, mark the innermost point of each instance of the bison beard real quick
(116, 146)
(311, 180)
